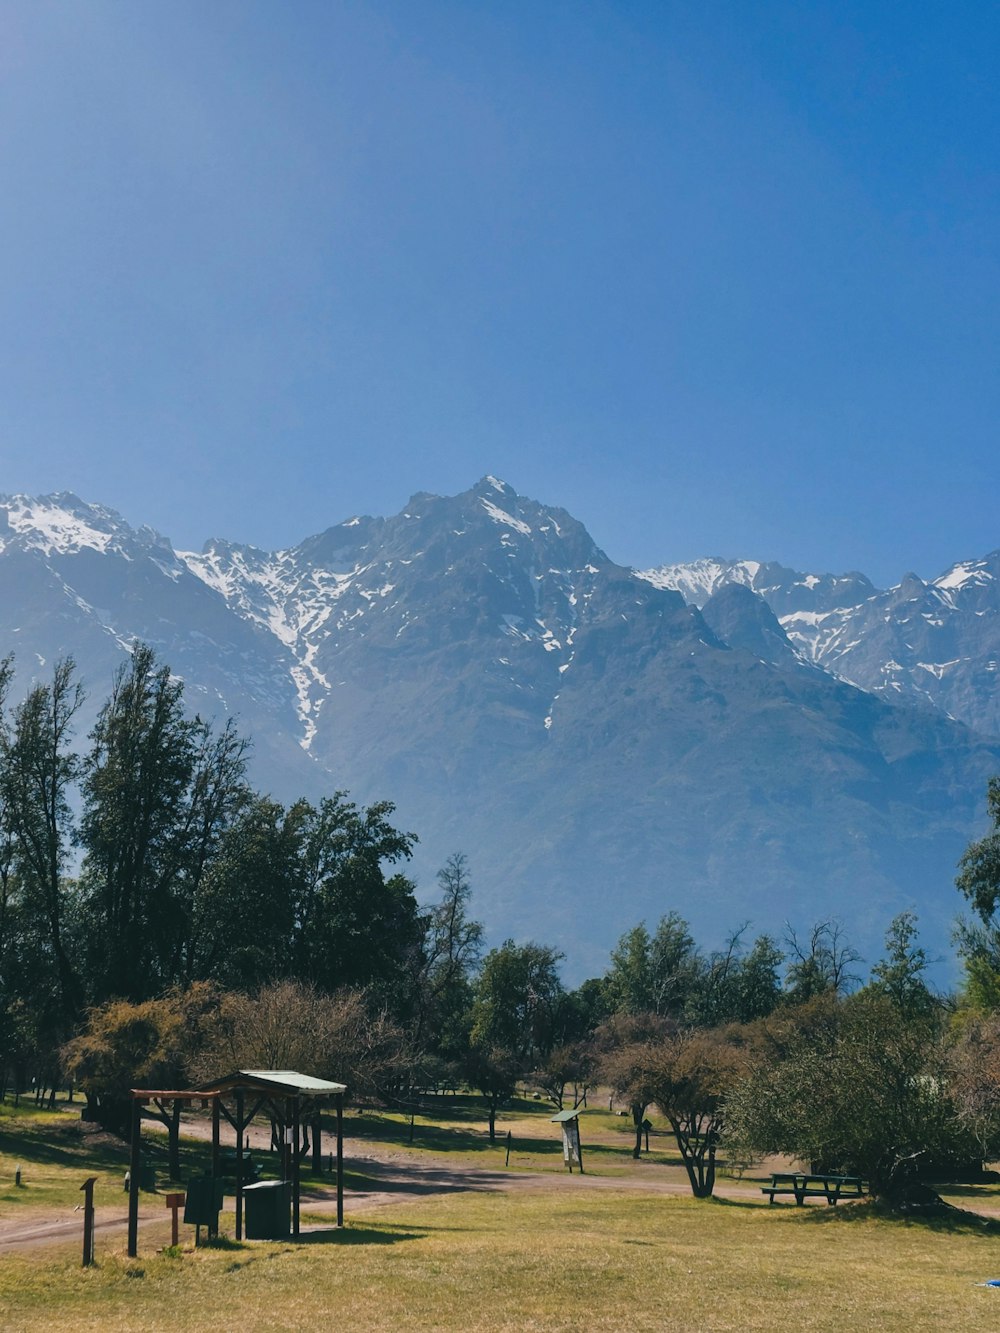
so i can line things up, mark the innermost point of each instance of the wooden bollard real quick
(174, 1202)
(88, 1220)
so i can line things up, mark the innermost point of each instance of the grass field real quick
(576, 1257)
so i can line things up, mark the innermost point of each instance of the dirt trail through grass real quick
(389, 1176)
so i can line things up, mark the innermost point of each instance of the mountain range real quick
(734, 740)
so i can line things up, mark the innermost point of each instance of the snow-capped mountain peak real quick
(586, 734)
(63, 524)
(698, 580)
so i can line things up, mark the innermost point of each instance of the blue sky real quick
(719, 278)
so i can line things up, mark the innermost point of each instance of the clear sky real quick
(718, 277)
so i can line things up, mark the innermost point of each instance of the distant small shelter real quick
(570, 1123)
(291, 1100)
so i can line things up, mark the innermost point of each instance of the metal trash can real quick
(203, 1202)
(268, 1207)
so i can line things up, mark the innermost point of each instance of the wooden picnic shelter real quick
(284, 1094)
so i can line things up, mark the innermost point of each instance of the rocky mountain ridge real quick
(600, 747)
(933, 644)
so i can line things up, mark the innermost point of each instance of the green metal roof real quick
(562, 1116)
(287, 1081)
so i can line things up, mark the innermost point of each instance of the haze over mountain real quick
(733, 740)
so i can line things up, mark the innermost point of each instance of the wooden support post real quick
(133, 1180)
(509, 1141)
(88, 1220)
(340, 1159)
(239, 1163)
(296, 1162)
(213, 1227)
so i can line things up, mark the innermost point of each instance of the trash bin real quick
(147, 1176)
(203, 1202)
(268, 1207)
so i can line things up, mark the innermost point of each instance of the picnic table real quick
(227, 1167)
(809, 1185)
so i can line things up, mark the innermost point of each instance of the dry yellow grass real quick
(585, 1255)
(590, 1259)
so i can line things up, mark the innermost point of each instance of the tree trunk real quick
(698, 1155)
(637, 1118)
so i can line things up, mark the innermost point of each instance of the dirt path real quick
(39, 1227)
(395, 1179)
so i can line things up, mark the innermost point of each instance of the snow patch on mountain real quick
(293, 603)
(697, 580)
(499, 515)
(961, 575)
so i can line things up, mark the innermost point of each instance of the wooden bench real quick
(806, 1185)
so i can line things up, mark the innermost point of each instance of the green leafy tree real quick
(355, 925)
(653, 973)
(857, 1086)
(37, 774)
(979, 868)
(514, 1010)
(159, 791)
(979, 950)
(979, 941)
(629, 981)
(245, 907)
(301, 892)
(901, 975)
(150, 1045)
(451, 953)
(757, 985)
(735, 986)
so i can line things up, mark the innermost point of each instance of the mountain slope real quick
(602, 750)
(933, 644)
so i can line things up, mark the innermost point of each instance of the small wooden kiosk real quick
(283, 1093)
(570, 1122)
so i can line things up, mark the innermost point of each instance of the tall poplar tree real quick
(159, 790)
(37, 773)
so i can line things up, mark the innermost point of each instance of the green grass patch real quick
(55, 1151)
(458, 1127)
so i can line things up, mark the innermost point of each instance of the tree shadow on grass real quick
(414, 1178)
(440, 1138)
(733, 1203)
(973, 1191)
(941, 1217)
(354, 1235)
(46, 1148)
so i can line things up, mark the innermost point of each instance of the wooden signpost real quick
(174, 1202)
(88, 1220)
